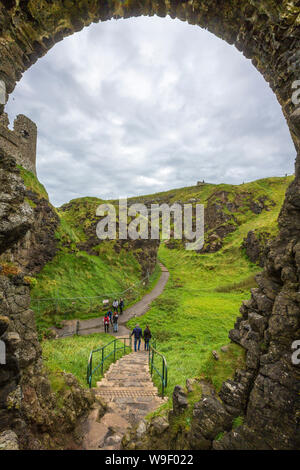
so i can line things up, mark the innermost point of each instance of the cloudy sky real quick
(137, 106)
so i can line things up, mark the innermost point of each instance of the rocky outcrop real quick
(39, 244)
(16, 216)
(180, 402)
(27, 222)
(221, 215)
(255, 245)
(29, 409)
(267, 392)
(224, 213)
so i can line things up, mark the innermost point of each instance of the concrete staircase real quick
(129, 393)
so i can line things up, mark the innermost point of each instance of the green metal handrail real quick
(164, 367)
(91, 371)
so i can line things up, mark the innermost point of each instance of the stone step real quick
(138, 381)
(112, 386)
(126, 393)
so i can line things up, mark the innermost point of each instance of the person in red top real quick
(106, 323)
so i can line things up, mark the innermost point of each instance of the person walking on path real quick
(121, 306)
(115, 321)
(138, 334)
(147, 337)
(106, 323)
(109, 313)
(115, 305)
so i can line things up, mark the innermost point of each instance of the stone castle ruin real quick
(20, 142)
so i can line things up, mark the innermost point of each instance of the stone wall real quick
(30, 415)
(20, 143)
(268, 33)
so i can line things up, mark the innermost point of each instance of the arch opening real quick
(192, 98)
(266, 32)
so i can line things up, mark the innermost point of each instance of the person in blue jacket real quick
(138, 334)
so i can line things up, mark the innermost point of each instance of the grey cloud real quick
(149, 104)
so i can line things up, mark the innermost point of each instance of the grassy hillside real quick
(85, 270)
(71, 354)
(202, 298)
(205, 291)
(191, 318)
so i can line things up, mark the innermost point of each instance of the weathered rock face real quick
(29, 411)
(39, 244)
(267, 32)
(16, 216)
(220, 216)
(255, 246)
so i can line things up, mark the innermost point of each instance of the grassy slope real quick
(73, 273)
(73, 276)
(71, 354)
(201, 301)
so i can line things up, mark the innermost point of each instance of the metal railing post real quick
(163, 377)
(115, 350)
(91, 371)
(102, 361)
(166, 376)
(152, 356)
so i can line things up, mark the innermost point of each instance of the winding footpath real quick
(126, 391)
(95, 325)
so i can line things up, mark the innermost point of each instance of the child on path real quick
(115, 321)
(106, 323)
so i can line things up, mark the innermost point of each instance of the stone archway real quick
(265, 32)
(268, 33)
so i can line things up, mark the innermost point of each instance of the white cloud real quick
(137, 106)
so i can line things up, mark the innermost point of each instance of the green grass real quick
(201, 300)
(76, 285)
(216, 372)
(190, 318)
(71, 355)
(32, 183)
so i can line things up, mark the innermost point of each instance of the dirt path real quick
(95, 325)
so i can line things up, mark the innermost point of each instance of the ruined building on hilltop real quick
(20, 142)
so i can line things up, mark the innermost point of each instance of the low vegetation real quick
(71, 355)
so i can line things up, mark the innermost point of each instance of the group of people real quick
(138, 335)
(112, 318)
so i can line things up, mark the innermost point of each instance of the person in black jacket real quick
(147, 337)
